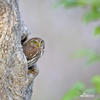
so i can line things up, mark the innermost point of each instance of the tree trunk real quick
(15, 82)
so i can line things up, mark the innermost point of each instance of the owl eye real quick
(34, 42)
(42, 42)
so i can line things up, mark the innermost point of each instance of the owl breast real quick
(33, 49)
(34, 58)
(30, 51)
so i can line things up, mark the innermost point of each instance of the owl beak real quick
(39, 45)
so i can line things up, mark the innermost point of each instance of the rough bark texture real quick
(15, 82)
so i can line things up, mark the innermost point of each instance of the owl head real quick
(37, 43)
(34, 49)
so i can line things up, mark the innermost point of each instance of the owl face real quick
(37, 43)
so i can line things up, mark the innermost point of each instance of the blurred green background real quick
(70, 29)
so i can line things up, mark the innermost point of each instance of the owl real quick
(33, 50)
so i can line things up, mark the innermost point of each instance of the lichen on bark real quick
(15, 81)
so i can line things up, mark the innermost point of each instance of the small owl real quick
(33, 50)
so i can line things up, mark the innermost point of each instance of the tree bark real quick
(15, 81)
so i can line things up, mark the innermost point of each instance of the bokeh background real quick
(64, 33)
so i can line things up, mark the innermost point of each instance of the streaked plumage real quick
(33, 49)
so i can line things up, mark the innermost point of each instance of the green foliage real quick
(74, 92)
(80, 89)
(81, 53)
(98, 99)
(91, 16)
(96, 83)
(89, 55)
(97, 31)
(70, 3)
